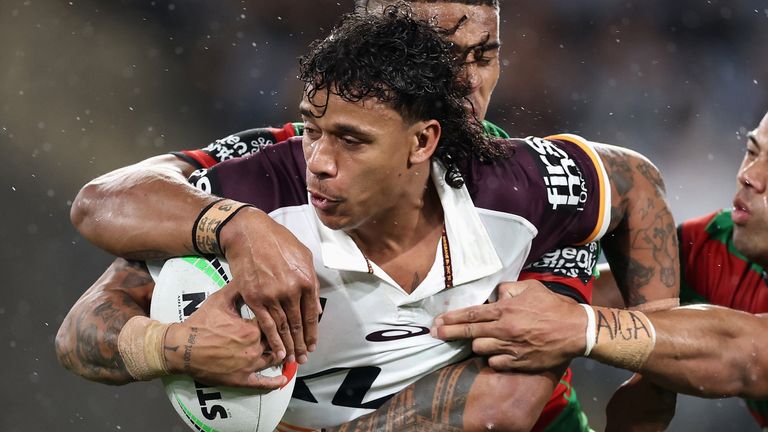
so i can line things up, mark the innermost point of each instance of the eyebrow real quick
(303, 110)
(339, 128)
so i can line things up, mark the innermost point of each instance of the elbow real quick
(67, 355)
(82, 209)
(64, 346)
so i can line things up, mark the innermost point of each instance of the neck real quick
(413, 220)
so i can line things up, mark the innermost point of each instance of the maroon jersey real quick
(558, 186)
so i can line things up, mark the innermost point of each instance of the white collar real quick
(472, 253)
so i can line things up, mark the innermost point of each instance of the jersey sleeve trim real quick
(197, 158)
(604, 216)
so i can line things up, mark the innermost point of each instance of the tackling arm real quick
(710, 351)
(702, 350)
(148, 211)
(86, 343)
(142, 211)
(225, 349)
(641, 245)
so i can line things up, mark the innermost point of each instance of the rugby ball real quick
(180, 287)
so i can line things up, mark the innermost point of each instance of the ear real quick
(427, 135)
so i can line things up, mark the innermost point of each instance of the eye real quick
(350, 140)
(311, 132)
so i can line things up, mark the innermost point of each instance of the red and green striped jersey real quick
(714, 272)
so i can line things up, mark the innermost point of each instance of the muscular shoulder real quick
(270, 179)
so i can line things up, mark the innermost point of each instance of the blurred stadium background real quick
(88, 86)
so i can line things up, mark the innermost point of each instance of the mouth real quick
(741, 213)
(323, 202)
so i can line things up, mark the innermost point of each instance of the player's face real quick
(477, 42)
(750, 212)
(359, 160)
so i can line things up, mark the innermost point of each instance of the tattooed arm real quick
(226, 349)
(467, 396)
(702, 350)
(641, 248)
(641, 245)
(86, 343)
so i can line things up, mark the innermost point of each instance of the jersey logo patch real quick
(565, 185)
(571, 262)
(232, 146)
(396, 334)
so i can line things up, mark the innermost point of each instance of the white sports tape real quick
(591, 333)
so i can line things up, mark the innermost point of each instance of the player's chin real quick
(333, 221)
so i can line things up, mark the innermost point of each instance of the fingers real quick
(283, 328)
(491, 346)
(463, 331)
(224, 299)
(506, 362)
(472, 314)
(310, 307)
(259, 381)
(270, 331)
(296, 331)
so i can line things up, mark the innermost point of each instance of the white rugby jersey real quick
(373, 336)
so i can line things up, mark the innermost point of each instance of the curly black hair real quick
(365, 5)
(405, 63)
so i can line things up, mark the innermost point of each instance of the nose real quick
(753, 175)
(320, 156)
(472, 75)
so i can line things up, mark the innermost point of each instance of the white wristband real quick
(591, 333)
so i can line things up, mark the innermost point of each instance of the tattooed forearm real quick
(86, 342)
(434, 403)
(615, 324)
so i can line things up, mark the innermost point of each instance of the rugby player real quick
(474, 29)
(710, 350)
